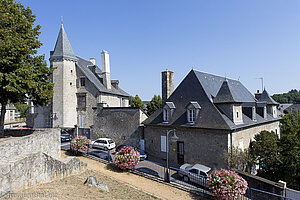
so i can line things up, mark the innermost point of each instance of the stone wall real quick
(40, 140)
(122, 124)
(203, 146)
(32, 169)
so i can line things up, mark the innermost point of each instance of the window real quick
(237, 114)
(191, 115)
(166, 115)
(195, 171)
(203, 174)
(81, 100)
(82, 81)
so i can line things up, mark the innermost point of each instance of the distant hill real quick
(289, 97)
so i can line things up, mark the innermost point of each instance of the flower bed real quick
(80, 144)
(127, 158)
(226, 184)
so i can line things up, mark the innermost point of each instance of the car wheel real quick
(186, 179)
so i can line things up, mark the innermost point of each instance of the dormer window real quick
(193, 109)
(191, 115)
(82, 81)
(168, 110)
(166, 114)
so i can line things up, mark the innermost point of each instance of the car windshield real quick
(110, 141)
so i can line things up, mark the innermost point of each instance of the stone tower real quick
(64, 100)
(167, 84)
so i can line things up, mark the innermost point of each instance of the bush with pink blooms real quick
(226, 184)
(127, 158)
(80, 144)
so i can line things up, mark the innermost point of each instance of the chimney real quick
(93, 60)
(106, 69)
(167, 84)
(257, 95)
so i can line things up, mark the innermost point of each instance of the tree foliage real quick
(289, 97)
(22, 73)
(279, 158)
(265, 151)
(136, 102)
(154, 104)
(21, 107)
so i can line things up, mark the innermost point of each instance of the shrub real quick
(127, 158)
(226, 184)
(80, 144)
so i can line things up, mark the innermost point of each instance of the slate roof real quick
(83, 64)
(63, 47)
(227, 94)
(265, 97)
(293, 107)
(203, 88)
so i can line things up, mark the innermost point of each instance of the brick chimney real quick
(167, 84)
(106, 69)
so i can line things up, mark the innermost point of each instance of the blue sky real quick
(239, 39)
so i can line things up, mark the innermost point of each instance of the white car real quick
(104, 143)
(195, 173)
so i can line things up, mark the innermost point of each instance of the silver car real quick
(104, 143)
(195, 173)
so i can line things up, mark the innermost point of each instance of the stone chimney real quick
(106, 69)
(167, 84)
(93, 60)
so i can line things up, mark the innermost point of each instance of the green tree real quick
(289, 97)
(290, 149)
(22, 73)
(136, 102)
(265, 152)
(21, 107)
(154, 104)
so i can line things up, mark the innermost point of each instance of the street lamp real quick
(174, 138)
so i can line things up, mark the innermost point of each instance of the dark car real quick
(65, 138)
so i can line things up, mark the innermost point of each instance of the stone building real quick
(210, 114)
(79, 86)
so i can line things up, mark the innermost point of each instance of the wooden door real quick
(180, 152)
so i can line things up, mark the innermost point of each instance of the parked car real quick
(65, 137)
(143, 155)
(104, 143)
(195, 173)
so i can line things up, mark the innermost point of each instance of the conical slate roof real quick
(63, 47)
(265, 97)
(226, 94)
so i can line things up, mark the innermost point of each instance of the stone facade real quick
(204, 146)
(64, 95)
(123, 125)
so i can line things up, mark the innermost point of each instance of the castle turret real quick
(64, 99)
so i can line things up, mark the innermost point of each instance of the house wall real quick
(242, 138)
(201, 146)
(123, 125)
(113, 100)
